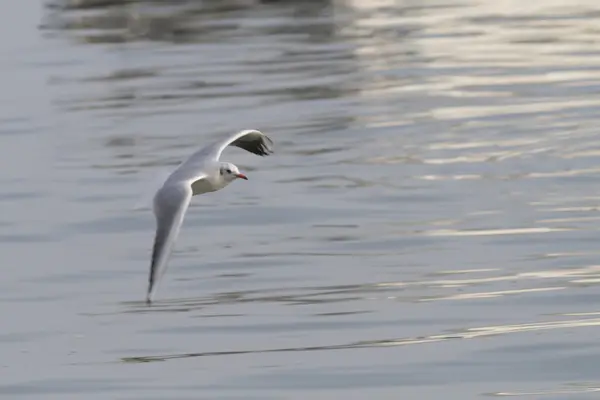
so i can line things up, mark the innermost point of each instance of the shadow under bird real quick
(201, 173)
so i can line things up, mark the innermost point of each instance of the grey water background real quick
(427, 228)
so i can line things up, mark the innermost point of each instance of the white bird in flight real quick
(201, 173)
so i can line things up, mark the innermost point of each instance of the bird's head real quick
(230, 172)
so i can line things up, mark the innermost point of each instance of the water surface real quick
(427, 227)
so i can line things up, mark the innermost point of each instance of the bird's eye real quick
(228, 171)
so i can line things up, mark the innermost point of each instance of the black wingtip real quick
(255, 142)
(267, 148)
(149, 294)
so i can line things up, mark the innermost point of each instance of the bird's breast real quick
(203, 186)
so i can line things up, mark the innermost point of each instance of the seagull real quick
(201, 173)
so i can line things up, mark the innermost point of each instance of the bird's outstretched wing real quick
(170, 205)
(250, 140)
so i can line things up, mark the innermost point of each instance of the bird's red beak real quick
(242, 176)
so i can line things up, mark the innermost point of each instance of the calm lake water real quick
(428, 227)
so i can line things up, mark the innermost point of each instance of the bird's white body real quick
(201, 173)
(209, 184)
